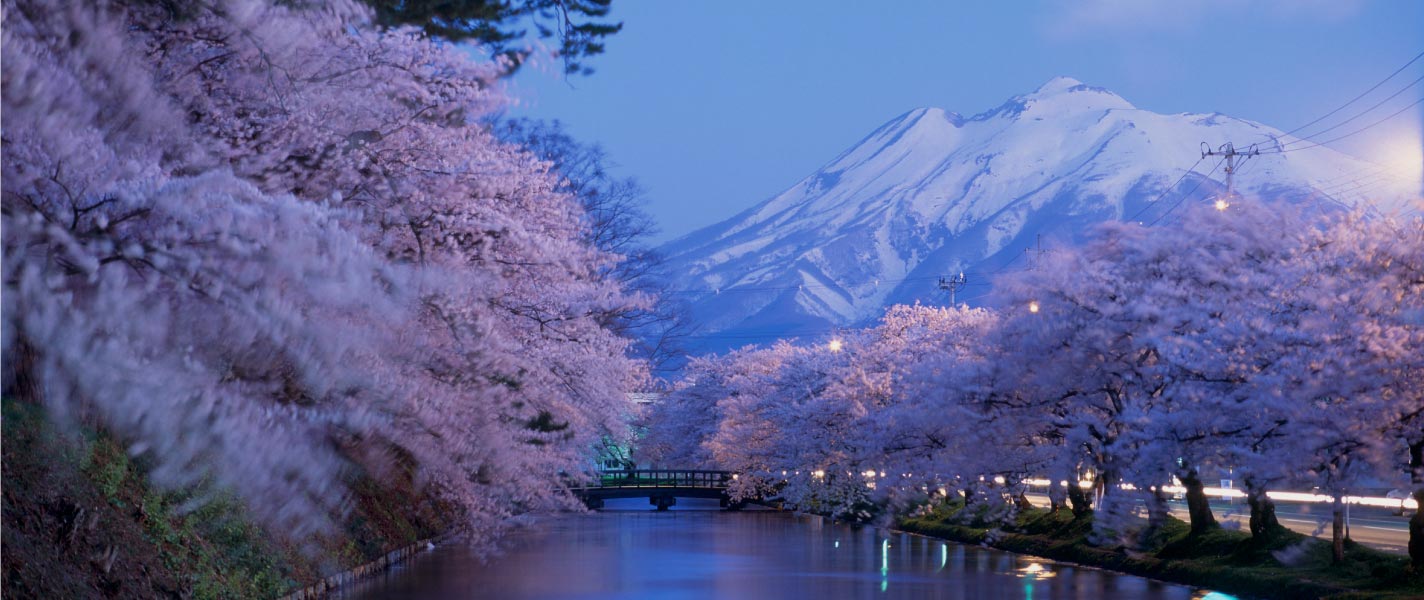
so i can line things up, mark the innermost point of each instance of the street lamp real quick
(835, 345)
(1221, 204)
(1033, 306)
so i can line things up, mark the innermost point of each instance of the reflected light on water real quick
(884, 564)
(1034, 571)
(1214, 596)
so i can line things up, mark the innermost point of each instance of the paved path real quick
(1373, 527)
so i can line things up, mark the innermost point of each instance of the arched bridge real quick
(662, 487)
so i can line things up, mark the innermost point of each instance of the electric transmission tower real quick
(1035, 254)
(953, 284)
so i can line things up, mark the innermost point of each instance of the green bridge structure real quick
(662, 487)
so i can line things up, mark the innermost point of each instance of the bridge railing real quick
(663, 478)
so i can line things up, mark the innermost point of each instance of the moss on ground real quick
(82, 521)
(1284, 565)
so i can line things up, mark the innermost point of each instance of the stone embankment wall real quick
(321, 588)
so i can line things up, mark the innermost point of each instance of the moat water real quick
(696, 551)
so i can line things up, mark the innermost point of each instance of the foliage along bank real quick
(272, 252)
(1280, 341)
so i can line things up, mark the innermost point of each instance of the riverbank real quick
(1287, 565)
(82, 521)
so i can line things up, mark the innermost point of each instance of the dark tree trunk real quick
(1416, 522)
(1416, 532)
(18, 379)
(1057, 495)
(1102, 485)
(1021, 501)
(1078, 500)
(1263, 511)
(1198, 507)
(1337, 530)
(1157, 510)
(1157, 513)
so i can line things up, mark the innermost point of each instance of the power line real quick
(1246, 166)
(1328, 189)
(1356, 116)
(1374, 171)
(1362, 129)
(953, 284)
(1188, 194)
(1168, 189)
(1229, 152)
(1357, 98)
(1358, 188)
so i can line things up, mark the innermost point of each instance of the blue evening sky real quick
(715, 106)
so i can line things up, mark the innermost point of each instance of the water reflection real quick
(695, 554)
(1035, 570)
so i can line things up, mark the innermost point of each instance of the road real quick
(1374, 527)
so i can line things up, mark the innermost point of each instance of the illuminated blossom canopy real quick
(272, 248)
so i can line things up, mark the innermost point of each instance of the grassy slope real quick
(1223, 560)
(80, 521)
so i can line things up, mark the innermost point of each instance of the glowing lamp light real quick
(818, 474)
(1221, 204)
(835, 345)
(1033, 307)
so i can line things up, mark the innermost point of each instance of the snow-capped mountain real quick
(933, 193)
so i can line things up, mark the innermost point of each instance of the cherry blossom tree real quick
(1356, 375)
(1277, 340)
(269, 243)
(680, 425)
(913, 381)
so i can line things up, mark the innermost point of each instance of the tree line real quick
(275, 247)
(1282, 341)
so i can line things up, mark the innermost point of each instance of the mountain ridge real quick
(931, 192)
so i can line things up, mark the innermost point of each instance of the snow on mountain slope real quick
(933, 193)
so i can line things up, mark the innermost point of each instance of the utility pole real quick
(1229, 151)
(953, 284)
(1035, 254)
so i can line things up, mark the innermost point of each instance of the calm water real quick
(629, 551)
